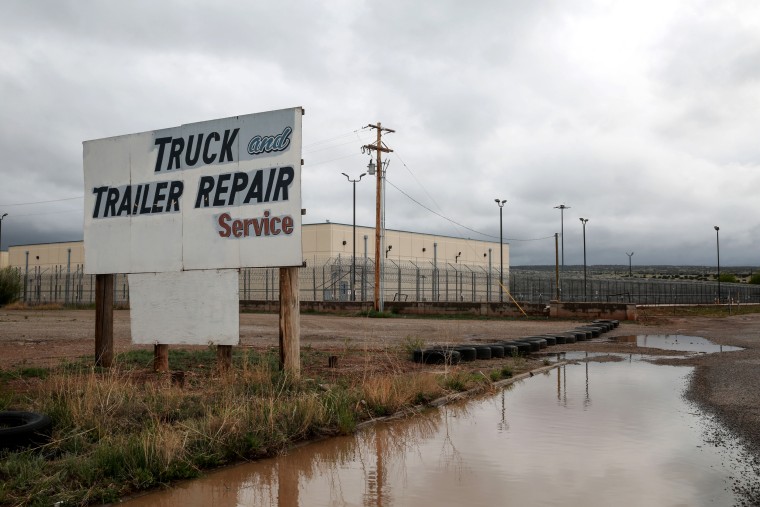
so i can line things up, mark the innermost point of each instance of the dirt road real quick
(727, 385)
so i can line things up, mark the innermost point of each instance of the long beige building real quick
(321, 242)
(415, 267)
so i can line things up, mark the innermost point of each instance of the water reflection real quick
(542, 442)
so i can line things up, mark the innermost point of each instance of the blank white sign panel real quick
(185, 307)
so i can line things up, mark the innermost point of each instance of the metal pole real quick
(1, 230)
(717, 243)
(556, 265)
(583, 221)
(435, 272)
(562, 209)
(68, 275)
(630, 272)
(501, 202)
(353, 240)
(488, 292)
(26, 275)
(364, 271)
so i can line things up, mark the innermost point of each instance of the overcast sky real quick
(641, 115)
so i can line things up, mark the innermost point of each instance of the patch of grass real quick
(385, 395)
(24, 372)
(723, 310)
(412, 343)
(374, 314)
(126, 429)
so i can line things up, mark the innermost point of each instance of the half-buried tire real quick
(551, 340)
(19, 430)
(497, 350)
(522, 347)
(510, 350)
(535, 339)
(483, 352)
(560, 339)
(466, 353)
(440, 356)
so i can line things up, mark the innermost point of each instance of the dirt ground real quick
(726, 385)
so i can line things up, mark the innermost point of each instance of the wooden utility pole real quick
(379, 149)
(290, 323)
(104, 320)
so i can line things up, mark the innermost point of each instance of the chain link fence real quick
(334, 279)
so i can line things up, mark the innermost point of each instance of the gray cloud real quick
(642, 116)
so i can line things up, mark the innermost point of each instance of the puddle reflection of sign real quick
(218, 194)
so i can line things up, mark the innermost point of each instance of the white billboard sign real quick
(218, 194)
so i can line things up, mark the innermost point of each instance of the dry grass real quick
(121, 430)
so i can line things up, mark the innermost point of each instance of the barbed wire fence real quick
(331, 279)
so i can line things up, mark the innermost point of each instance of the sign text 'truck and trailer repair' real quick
(212, 195)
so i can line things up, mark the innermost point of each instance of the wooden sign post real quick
(290, 323)
(104, 320)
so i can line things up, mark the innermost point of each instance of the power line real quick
(457, 223)
(42, 202)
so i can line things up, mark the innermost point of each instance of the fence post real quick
(399, 280)
(314, 283)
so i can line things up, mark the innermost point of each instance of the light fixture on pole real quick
(500, 203)
(629, 263)
(583, 221)
(717, 243)
(1, 230)
(353, 257)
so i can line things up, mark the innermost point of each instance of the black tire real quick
(467, 353)
(595, 331)
(497, 350)
(603, 325)
(550, 340)
(23, 429)
(572, 337)
(510, 350)
(535, 339)
(581, 334)
(560, 339)
(523, 347)
(417, 356)
(483, 352)
(440, 356)
(606, 325)
(534, 345)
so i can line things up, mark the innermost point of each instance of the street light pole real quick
(353, 257)
(1, 230)
(717, 242)
(583, 221)
(629, 263)
(562, 209)
(501, 248)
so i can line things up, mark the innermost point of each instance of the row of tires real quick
(455, 354)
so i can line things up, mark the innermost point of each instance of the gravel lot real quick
(726, 385)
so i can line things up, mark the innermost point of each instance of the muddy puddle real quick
(676, 342)
(588, 434)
